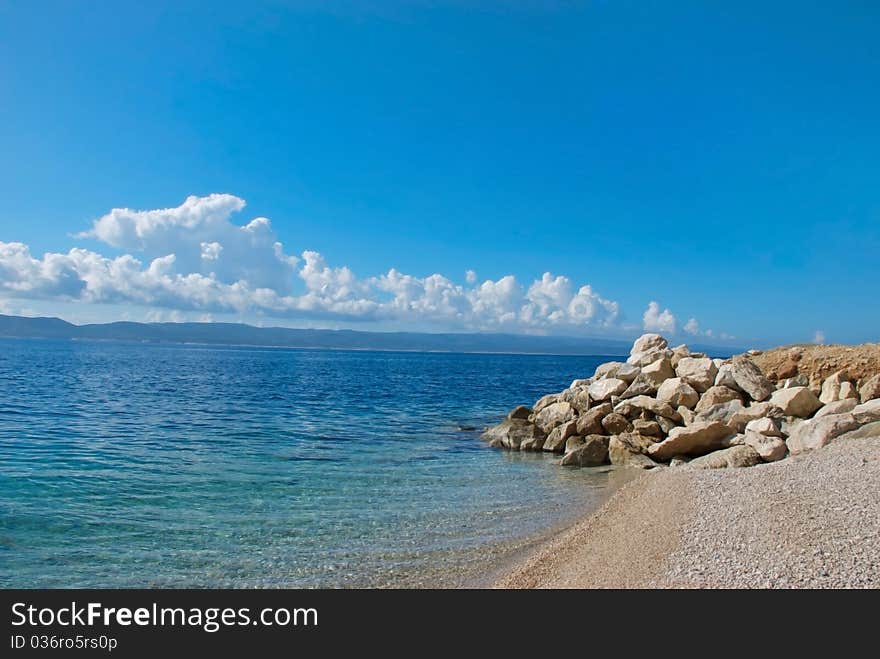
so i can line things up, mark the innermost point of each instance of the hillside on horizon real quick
(283, 337)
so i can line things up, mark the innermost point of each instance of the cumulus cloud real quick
(194, 258)
(203, 240)
(654, 320)
(819, 337)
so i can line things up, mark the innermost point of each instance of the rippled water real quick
(126, 465)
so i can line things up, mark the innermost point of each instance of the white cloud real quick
(654, 320)
(819, 337)
(203, 240)
(692, 327)
(193, 259)
(211, 251)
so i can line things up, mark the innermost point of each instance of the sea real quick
(190, 466)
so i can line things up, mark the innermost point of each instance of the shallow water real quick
(125, 465)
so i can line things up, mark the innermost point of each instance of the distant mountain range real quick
(283, 337)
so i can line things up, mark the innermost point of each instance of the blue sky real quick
(717, 159)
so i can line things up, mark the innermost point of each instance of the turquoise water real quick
(125, 465)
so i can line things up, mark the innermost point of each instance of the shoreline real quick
(809, 522)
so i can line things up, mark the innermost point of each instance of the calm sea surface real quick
(126, 465)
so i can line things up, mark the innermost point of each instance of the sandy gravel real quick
(820, 361)
(809, 521)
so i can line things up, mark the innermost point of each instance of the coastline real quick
(809, 522)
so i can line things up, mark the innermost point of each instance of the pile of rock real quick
(677, 407)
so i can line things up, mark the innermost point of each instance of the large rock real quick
(796, 381)
(510, 433)
(796, 401)
(764, 426)
(624, 450)
(867, 412)
(591, 453)
(641, 386)
(590, 423)
(646, 358)
(723, 412)
(579, 398)
(676, 391)
(868, 430)
(606, 370)
(733, 457)
(606, 388)
(678, 353)
(555, 441)
(521, 412)
(743, 374)
(716, 395)
(628, 373)
(741, 417)
(837, 407)
(648, 343)
(816, 433)
(847, 390)
(535, 443)
(633, 407)
(687, 416)
(789, 369)
(699, 373)
(648, 428)
(554, 415)
(619, 370)
(614, 424)
(831, 386)
(545, 401)
(580, 382)
(696, 439)
(668, 424)
(768, 447)
(573, 442)
(870, 389)
(659, 371)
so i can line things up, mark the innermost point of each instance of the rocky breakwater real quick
(670, 406)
